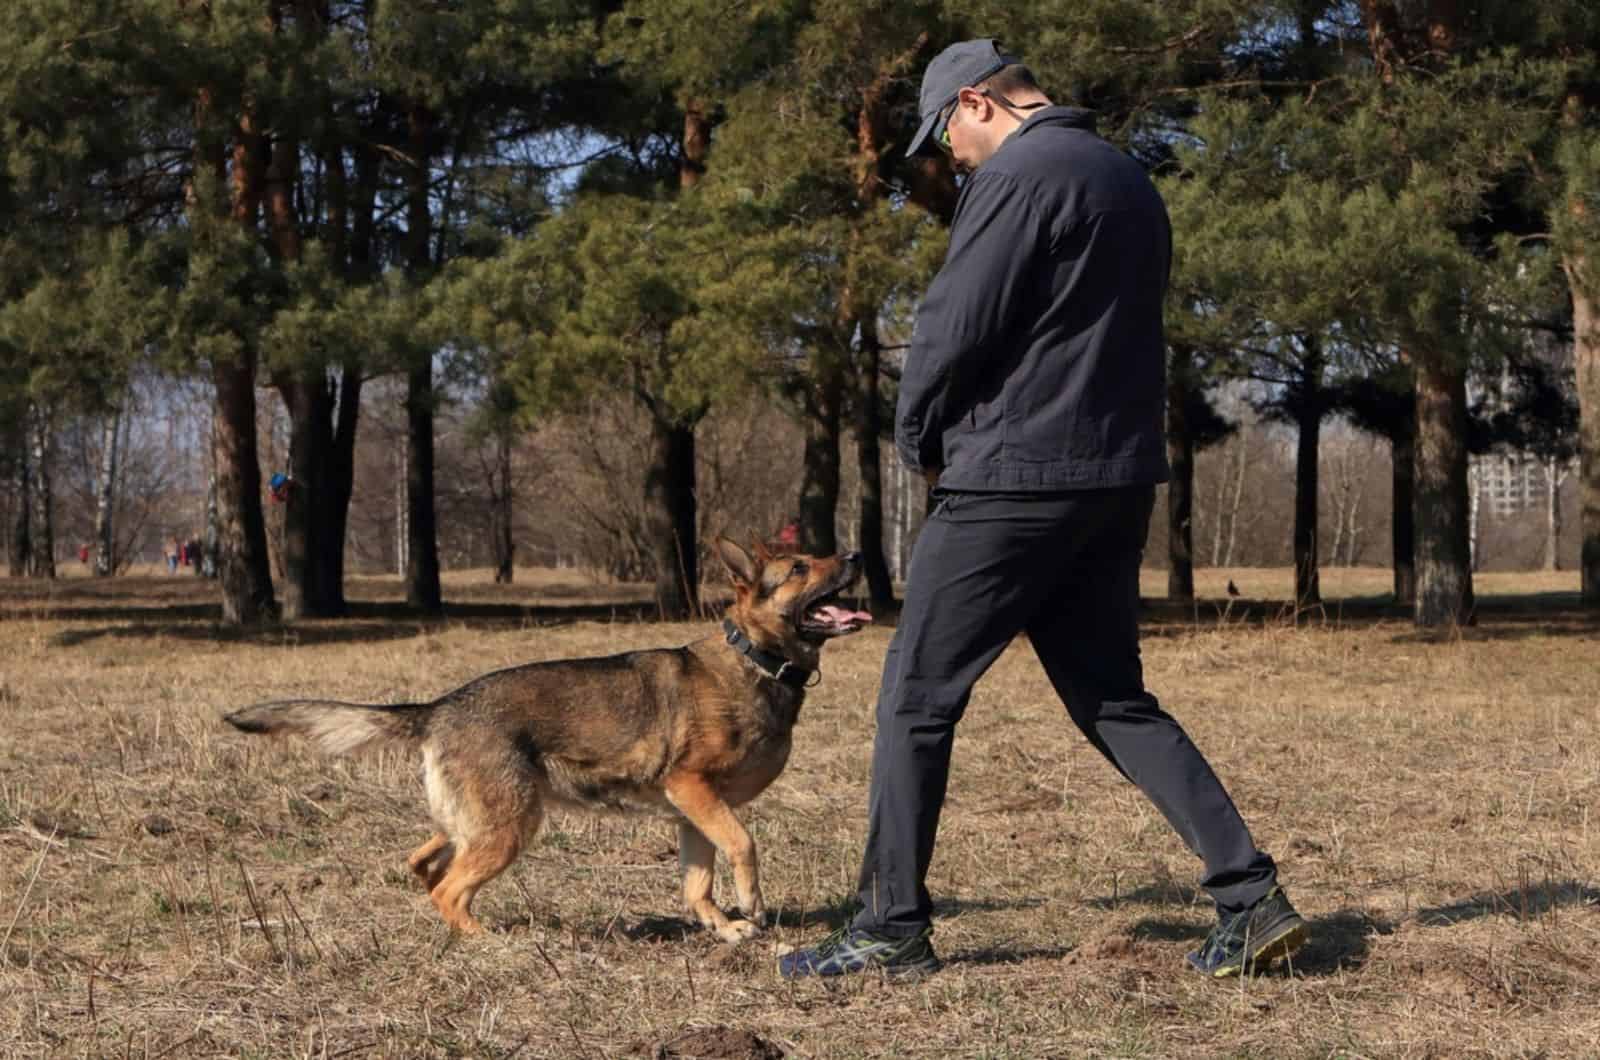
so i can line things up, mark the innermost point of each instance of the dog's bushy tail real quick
(337, 727)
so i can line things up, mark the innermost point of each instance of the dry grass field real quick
(171, 888)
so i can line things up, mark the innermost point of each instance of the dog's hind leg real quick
(496, 836)
(431, 859)
(712, 819)
(697, 858)
(474, 865)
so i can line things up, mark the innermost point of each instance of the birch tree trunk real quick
(1353, 530)
(1553, 477)
(1221, 505)
(105, 559)
(1238, 497)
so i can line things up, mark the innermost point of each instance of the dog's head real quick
(789, 602)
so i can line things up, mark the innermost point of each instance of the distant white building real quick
(1509, 483)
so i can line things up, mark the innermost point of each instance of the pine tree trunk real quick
(422, 565)
(339, 486)
(1402, 525)
(311, 511)
(504, 545)
(422, 535)
(1180, 488)
(819, 483)
(872, 130)
(670, 517)
(41, 443)
(105, 558)
(22, 519)
(1444, 561)
(869, 462)
(242, 562)
(239, 554)
(1586, 358)
(1307, 577)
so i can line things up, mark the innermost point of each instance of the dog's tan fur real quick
(688, 732)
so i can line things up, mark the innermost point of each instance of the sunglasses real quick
(942, 139)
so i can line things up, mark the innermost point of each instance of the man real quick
(1032, 399)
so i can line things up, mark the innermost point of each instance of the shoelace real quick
(834, 940)
(1224, 932)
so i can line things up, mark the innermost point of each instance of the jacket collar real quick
(1057, 116)
(774, 666)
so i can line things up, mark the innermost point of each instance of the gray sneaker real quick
(851, 950)
(1249, 940)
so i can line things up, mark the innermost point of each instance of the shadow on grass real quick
(1159, 892)
(1340, 940)
(1528, 902)
(1545, 614)
(366, 622)
(190, 611)
(1007, 955)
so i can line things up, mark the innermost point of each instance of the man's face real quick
(962, 136)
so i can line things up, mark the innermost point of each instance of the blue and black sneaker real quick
(851, 950)
(1249, 940)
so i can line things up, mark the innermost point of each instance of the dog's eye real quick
(798, 569)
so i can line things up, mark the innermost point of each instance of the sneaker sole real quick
(1284, 940)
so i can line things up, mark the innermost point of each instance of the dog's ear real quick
(740, 564)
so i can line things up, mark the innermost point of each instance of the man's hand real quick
(931, 475)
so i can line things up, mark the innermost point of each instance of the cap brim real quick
(921, 139)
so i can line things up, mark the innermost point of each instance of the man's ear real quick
(740, 564)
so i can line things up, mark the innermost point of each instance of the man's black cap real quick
(959, 66)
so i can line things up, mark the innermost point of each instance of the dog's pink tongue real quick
(840, 616)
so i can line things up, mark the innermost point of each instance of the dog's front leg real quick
(709, 826)
(697, 858)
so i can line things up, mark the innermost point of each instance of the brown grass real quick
(171, 888)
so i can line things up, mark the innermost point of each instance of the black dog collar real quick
(774, 666)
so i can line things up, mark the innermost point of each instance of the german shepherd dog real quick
(687, 732)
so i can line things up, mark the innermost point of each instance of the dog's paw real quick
(737, 931)
(756, 913)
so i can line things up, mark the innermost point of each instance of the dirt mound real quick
(712, 1043)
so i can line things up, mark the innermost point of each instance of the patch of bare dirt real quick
(712, 1043)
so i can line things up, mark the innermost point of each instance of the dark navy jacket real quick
(1038, 360)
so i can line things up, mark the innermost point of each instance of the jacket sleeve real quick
(968, 311)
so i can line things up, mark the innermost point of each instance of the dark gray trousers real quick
(1064, 569)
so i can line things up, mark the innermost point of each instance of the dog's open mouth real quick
(827, 617)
